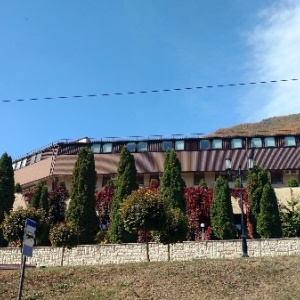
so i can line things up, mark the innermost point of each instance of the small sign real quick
(29, 237)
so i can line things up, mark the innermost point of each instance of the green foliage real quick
(202, 183)
(126, 183)
(290, 217)
(36, 197)
(175, 229)
(172, 184)
(257, 178)
(13, 225)
(7, 189)
(292, 182)
(237, 183)
(64, 235)
(143, 209)
(221, 213)
(268, 223)
(57, 204)
(44, 203)
(18, 188)
(102, 237)
(81, 210)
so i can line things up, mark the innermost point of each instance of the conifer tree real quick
(36, 197)
(44, 202)
(81, 210)
(257, 178)
(173, 185)
(221, 212)
(7, 189)
(126, 183)
(269, 223)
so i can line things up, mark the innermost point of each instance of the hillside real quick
(272, 126)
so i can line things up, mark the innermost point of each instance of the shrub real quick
(64, 235)
(292, 182)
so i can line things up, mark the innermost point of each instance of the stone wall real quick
(129, 253)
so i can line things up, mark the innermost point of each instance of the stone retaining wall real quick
(129, 253)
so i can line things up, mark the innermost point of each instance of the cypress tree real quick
(221, 212)
(269, 223)
(44, 202)
(7, 189)
(173, 185)
(257, 178)
(81, 210)
(36, 197)
(126, 183)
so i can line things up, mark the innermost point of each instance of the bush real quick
(64, 235)
(292, 182)
(102, 237)
(14, 223)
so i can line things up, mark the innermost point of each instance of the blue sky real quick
(66, 48)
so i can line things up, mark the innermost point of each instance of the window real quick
(107, 147)
(198, 178)
(256, 143)
(142, 146)
(18, 164)
(131, 147)
(236, 143)
(276, 177)
(32, 159)
(204, 144)
(38, 157)
(179, 145)
(140, 180)
(96, 148)
(269, 142)
(166, 145)
(14, 166)
(217, 144)
(23, 164)
(289, 141)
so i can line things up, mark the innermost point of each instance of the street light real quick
(202, 231)
(240, 174)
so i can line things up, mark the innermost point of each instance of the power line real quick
(149, 91)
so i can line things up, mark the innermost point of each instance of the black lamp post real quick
(240, 174)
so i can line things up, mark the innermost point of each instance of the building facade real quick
(201, 158)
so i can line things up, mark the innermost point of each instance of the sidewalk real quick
(14, 267)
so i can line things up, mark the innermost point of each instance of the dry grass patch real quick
(251, 278)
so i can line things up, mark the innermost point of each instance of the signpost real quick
(27, 248)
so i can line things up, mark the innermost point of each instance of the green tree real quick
(268, 223)
(126, 183)
(257, 178)
(292, 182)
(221, 212)
(35, 200)
(81, 211)
(290, 217)
(144, 209)
(44, 202)
(18, 188)
(14, 223)
(173, 185)
(7, 189)
(64, 235)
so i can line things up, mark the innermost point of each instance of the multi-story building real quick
(201, 158)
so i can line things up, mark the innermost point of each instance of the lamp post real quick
(240, 174)
(202, 231)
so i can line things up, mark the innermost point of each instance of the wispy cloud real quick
(275, 54)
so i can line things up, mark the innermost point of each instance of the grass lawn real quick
(251, 278)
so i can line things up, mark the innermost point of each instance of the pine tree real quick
(126, 183)
(44, 202)
(173, 185)
(7, 189)
(269, 223)
(257, 178)
(221, 212)
(81, 210)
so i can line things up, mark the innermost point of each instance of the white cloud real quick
(275, 55)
